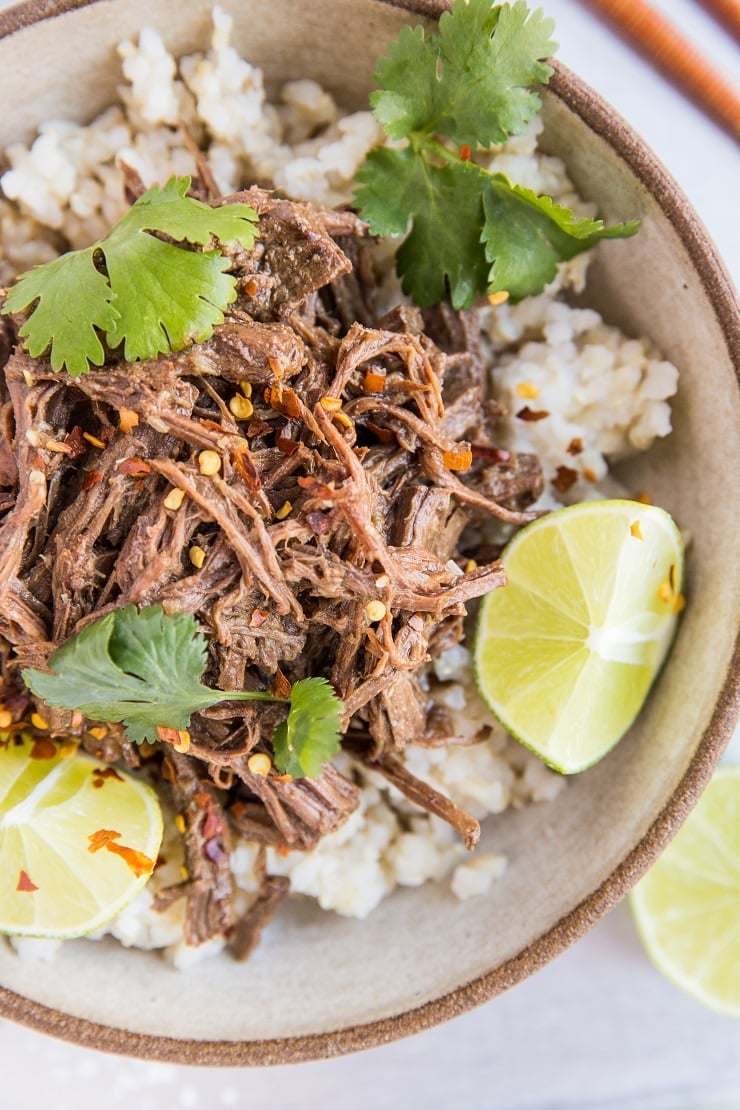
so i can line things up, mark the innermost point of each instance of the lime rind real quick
(598, 590)
(687, 908)
(48, 810)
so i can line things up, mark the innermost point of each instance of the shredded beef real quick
(351, 481)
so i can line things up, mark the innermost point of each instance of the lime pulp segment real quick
(78, 839)
(687, 908)
(566, 652)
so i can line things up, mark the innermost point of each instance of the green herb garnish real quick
(473, 233)
(143, 667)
(153, 296)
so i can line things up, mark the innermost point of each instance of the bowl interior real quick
(317, 973)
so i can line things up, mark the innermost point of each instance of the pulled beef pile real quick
(352, 453)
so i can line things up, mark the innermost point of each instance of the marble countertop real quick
(599, 1028)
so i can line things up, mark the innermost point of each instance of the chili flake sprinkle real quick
(564, 479)
(531, 416)
(99, 776)
(106, 838)
(636, 530)
(43, 748)
(460, 458)
(26, 883)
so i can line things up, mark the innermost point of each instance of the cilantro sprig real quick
(143, 668)
(151, 295)
(469, 85)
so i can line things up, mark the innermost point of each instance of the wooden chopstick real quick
(726, 12)
(660, 43)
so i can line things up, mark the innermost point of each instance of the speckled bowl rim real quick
(606, 123)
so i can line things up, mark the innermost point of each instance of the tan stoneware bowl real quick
(319, 984)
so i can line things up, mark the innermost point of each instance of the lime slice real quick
(78, 839)
(566, 652)
(687, 908)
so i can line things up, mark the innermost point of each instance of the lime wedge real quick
(78, 839)
(566, 652)
(687, 908)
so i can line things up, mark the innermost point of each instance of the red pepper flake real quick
(644, 498)
(280, 686)
(210, 424)
(276, 366)
(286, 446)
(575, 446)
(283, 850)
(127, 419)
(238, 809)
(43, 748)
(564, 479)
(250, 288)
(25, 883)
(92, 477)
(246, 469)
(465, 153)
(590, 475)
(385, 435)
(135, 467)
(258, 618)
(106, 838)
(284, 401)
(258, 427)
(202, 799)
(76, 442)
(494, 454)
(532, 415)
(315, 487)
(460, 458)
(373, 383)
(319, 523)
(168, 735)
(99, 776)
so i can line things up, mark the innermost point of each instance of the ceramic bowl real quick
(319, 984)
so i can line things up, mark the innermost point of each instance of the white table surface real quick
(598, 1028)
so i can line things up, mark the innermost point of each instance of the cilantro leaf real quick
(58, 287)
(406, 100)
(153, 297)
(471, 80)
(163, 304)
(311, 734)
(489, 59)
(468, 232)
(143, 668)
(526, 236)
(445, 206)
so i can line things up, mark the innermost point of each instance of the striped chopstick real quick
(653, 36)
(726, 12)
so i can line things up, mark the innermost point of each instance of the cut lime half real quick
(566, 652)
(78, 839)
(687, 908)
